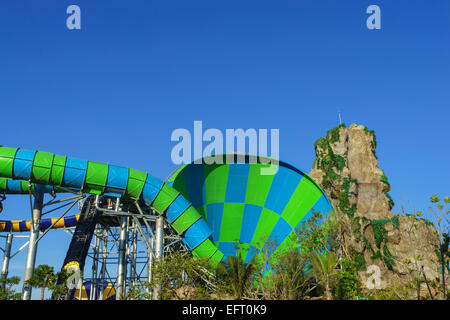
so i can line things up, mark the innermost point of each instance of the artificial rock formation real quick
(347, 169)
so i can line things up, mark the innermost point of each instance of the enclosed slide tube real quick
(126, 183)
(9, 186)
(25, 225)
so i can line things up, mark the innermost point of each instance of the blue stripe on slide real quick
(46, 223)
(281, 230)
(176, 208)
(283, 186)
(214, 212)
(250, 220)
(228, 249)
(237, 182)
(152, 186)
(13, 186)
(196, 234)
(74, 173)
(117, 177)
(70, 221)
(23, 162)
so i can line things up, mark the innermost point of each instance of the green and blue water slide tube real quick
(97, 178)
(219, 209)
(246, 210)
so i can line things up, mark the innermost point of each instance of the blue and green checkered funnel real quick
(245, 209)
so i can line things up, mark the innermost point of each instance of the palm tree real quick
(43, 277)
(236, 274)
(290, 277)
(323, 266)
(6, 288)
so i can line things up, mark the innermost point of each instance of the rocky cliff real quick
(346, 167)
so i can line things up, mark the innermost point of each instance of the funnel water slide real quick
(247, 210)
(103, 179)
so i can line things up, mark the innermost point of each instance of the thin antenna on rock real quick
(340, 119)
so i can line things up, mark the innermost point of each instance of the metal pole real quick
(32, 246)
(5, 266)
(133, 254)
(93, 292)
(104, 255)
(159, 249)
(122, 265)
(150, 261)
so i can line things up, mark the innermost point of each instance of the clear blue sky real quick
(116, 89)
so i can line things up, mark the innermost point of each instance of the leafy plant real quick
(291, 281)
(179, 276)
(348, 283)
(323, 267)
(6, 288)
(43, 277)
(316, 234)
(236, 276)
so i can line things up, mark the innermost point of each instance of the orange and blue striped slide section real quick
(109, 293)
(24, 225)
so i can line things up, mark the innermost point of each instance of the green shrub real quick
(348, 283)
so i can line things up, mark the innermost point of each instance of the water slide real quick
(59, 172)
(9, 186)
(219, 209)
(82, 237)
(246, 210)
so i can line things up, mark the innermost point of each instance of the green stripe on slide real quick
(304, 197)
(243, 249)
(216, 177)
(6, 161)
(42, 167)
(3, 184)
(266, 223)
(24, 186)
(59, 165)
(136, 180)
(180, 184)
(288, 244)
(164, 198)
(216, 258)
(230, 229)
(205, 250)
(96, 176)
(259, 184)
(186, 219)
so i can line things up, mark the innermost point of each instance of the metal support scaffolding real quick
(122, 264)
(126, 243)
(132, 253)
(34, 235)
(127, 240)
(159, 249)
(7, 256)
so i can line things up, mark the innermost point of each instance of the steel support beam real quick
(7, 256)
(34, 235)
(159, 249)
(122, 265)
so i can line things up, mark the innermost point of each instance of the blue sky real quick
(137, 70)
